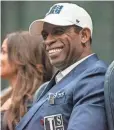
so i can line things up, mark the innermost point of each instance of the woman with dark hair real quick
(26, 66)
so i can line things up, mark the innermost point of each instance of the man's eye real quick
(58, 31)
(44, 35)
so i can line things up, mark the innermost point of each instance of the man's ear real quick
(85, 35)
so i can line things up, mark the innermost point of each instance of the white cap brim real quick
(36, 26)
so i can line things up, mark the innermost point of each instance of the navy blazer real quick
(74, 103)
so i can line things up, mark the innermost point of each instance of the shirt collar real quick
(63, 73)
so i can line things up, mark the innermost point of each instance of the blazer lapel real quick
(48, 87)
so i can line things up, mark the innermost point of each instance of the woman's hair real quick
(33, 69)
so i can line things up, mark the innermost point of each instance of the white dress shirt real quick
(63, 73)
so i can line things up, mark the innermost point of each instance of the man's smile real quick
(54, 51)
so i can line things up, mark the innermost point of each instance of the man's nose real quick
(50, 40)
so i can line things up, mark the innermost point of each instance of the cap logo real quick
(55, 9)
(77, 21)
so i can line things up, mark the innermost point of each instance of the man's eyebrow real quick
(59, 27)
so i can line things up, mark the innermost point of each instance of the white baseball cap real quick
(63, 14)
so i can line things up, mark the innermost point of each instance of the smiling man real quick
(74, 98)
(63, 44)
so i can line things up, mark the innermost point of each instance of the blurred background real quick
(18, 15)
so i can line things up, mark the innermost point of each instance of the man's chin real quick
(60, 65)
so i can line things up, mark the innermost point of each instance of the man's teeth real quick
(54, 50)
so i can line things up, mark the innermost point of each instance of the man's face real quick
(63, 45)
